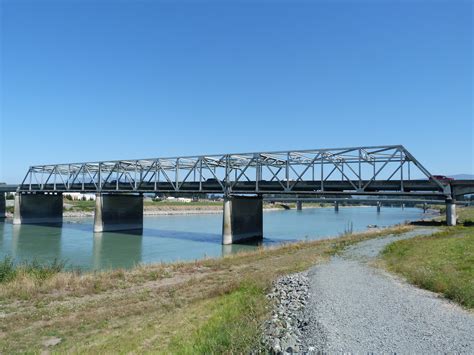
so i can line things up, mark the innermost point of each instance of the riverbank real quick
(443, 263)
(319, 310)
(80, 209)
(355, 307)
(180, 307)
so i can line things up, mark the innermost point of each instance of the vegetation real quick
(79, 205)
(207, 306)
(32, 269)
(171, 203)
(466, 215)
(443, 262)
(88, 205)
(233, 324)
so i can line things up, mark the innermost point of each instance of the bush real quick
(42, 271)
(35, 269)
(7, 270)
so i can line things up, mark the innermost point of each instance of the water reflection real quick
(211, 238)
(2, 233)
(116, 249)
(239, 248)
(34, 242)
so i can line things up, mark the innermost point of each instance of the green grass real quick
(80, 205)
(36, 270)
(465, 215)
(233, 326)
(443, 262)
(7, 270)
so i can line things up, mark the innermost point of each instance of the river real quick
(180, 237)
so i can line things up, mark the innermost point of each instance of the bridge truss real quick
(358, 170)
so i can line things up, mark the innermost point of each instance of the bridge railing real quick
(361, 170)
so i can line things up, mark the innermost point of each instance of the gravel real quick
(347, 306)
(282, 333)
(353, 307)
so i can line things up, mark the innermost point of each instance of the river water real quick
(180, 237)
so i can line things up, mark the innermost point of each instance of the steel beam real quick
(343, 171)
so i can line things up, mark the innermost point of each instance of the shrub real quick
(7, 270)
(34, 269)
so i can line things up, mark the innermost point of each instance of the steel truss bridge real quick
(376, 170)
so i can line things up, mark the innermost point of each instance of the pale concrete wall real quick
(450, 213)
(118, 212)
(38, 209)
(242, 220)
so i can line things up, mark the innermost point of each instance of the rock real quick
(282, 332)
(276, 346)
(51, 341)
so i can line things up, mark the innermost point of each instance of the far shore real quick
(197, 210)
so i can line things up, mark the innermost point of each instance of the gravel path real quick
(356, 308)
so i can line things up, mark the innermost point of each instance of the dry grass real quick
(179, 307)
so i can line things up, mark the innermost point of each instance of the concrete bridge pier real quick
(336, 206)
(118, 212)
(299, 205)
(39, 208)
(378, 207)
(451, 212)
(242, 220)
(2, 206)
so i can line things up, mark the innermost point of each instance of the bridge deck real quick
(424, 187)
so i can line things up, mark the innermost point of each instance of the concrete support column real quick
(336, 206)
(242, 220)
(450, 212)
(299, 205)
(2, 205)
(118, 212)
(378, 207)
(38, 209)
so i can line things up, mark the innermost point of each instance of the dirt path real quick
(356, 308)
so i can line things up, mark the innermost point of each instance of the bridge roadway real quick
(244, 179)
(379, 188)
(383, 187)
(8, 188)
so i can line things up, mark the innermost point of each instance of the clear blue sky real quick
(92, 80)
